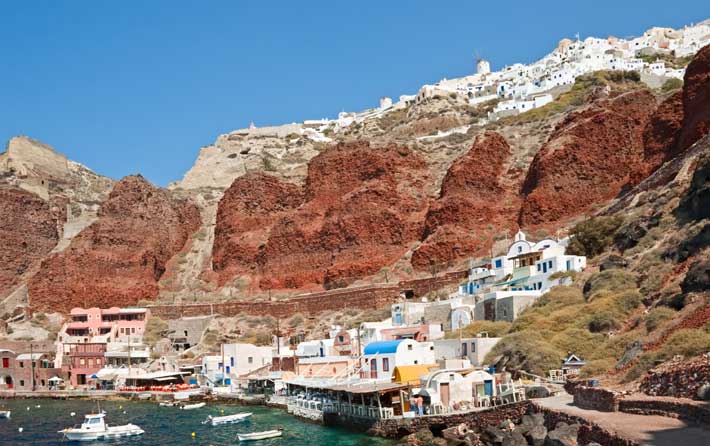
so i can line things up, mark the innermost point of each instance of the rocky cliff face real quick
(361, 208)
(588, 159)
(696, 97)
(119, 258)
(478, 201)
(30, 229)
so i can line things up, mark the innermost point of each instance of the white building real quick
(236, 360)
(473, 349)
(380, 358)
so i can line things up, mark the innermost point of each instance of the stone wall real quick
(332, 300)
(678, 378)
(689, 411)
(588, 432)
(596, 398)
(311, 304)
(478, 421)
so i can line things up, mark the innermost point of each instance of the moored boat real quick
(5, 413)
(236, 418)
(94, 427)
(192, 406)
(260, 435)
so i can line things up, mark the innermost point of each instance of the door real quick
(5, 363)
(488, 386)
(444, 393)
(373, 368)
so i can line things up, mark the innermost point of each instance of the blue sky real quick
(139, 86)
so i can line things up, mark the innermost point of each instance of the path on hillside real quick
(654, 430)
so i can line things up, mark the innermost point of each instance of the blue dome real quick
(374, 348)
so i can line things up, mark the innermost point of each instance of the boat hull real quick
(230, 419)
(111, 433)
(259, 435)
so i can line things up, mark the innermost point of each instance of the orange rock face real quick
(661, 133)
(361, 208)
(588, 159)
(29, 231)
(247, 212)
(696, 100)
(477, 201)
(119, 259)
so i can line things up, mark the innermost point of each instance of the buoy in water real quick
(38, 406)
(72, 414)
(28, 407)
(20, 429)
(194, 435)
(221, 411)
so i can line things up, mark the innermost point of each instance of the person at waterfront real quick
(420, 405)
(413, 403)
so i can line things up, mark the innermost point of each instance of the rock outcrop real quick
(362, 207)
(589, 158)
(29, 231)
(476, 203)
(696, 97)
(248, 210)
(118, 259)
(661, 133)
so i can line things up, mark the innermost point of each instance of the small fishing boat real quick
(168, 404)
(192, 406)
(260, 435)
(5, 413)
(94, 427)
(236, 418)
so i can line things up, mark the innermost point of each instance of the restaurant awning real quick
(410, 374)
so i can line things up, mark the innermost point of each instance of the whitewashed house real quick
(473, 349)
(380, 358)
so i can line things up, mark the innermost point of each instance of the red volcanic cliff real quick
(246, 213)
(661, 133)
(29, 231)
(476, 202)
(696, 100)
(588, 159)
(119, 259)
(362, 207)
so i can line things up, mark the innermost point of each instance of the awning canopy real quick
(55, 379)
(410, 374)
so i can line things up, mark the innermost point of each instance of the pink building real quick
(84, 340)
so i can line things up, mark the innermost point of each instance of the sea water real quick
(165, 425)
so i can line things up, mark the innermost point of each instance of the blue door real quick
(488, 387)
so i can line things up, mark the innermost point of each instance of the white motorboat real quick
(5, 413)
(192, 406)
(168, 404)
(236, 418)
(94, 427)
(260, 435)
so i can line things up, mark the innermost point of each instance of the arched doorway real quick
(7, 380)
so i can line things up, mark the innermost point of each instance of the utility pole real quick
(129, 354)
(223, 365)
(32, 360)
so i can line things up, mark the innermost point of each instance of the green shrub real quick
(591, 237)
(687, 342)
(656, 317)
(609, 281)
(597, 367)
(527, 351)
(494, 329)
(155, 330)
(578, 341)
(602, 322)
(671, 85)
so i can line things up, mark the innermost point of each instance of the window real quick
(473, 347)
(464, 349)
(185, 332)
(22, 383)
(250, 360)
(409, 347)
(5, 363)
(341, 339)
(499, 263)
(538, 267)
(520, 249)
(22, 364)
(231, 361)
(416, 362)
(385, 364)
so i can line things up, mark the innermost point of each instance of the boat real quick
(5, 413)
(236, 418)
(168, 404)
(260, 435)
(94, 427)
(192, 406)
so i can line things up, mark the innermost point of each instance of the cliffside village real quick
(378, 370)
(522, 87)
